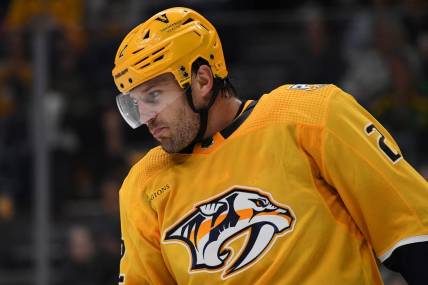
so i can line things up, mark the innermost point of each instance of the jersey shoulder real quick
(147, 167)
(298, 103)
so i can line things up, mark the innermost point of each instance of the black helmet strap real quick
(203, 112)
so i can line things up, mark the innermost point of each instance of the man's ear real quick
(202, 84)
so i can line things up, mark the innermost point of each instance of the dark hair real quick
(226, 87)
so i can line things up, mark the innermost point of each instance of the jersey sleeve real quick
(385, 196)
(141, 257)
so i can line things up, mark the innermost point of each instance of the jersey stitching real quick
(322, 134)
(357, 236)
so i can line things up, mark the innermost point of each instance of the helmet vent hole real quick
(203, 26)
(147, 64)
(158, 51)
(138, 62)
(130, 80)
(187, 21)
(137, 51)
(197, 33)
(147, 35)
(211, 56)
(158, 58)
(121, 85)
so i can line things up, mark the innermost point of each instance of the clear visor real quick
(137, 108)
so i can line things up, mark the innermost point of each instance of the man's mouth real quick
(158, 131)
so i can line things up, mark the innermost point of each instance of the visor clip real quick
(183, 71)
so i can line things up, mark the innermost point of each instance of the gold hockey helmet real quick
(170, 41)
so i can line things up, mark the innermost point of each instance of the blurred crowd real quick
(375, 50)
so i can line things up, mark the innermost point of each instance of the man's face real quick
(176, 125)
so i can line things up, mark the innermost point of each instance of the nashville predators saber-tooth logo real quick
(208, 229)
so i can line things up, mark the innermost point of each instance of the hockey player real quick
(302, 186)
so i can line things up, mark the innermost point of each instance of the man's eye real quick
(153, 96)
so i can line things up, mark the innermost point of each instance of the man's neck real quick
(221, 114)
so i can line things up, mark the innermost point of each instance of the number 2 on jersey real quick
(393, 156)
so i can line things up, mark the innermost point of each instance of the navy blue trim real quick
(411, 261)
(229, 130)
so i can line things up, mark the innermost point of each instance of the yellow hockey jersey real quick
(304, 187)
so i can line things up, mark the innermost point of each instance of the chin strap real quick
(203, 113)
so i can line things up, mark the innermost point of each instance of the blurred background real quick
(64, 149)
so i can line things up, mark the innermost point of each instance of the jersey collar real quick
(211, 143)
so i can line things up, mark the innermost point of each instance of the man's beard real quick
(183, 131)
